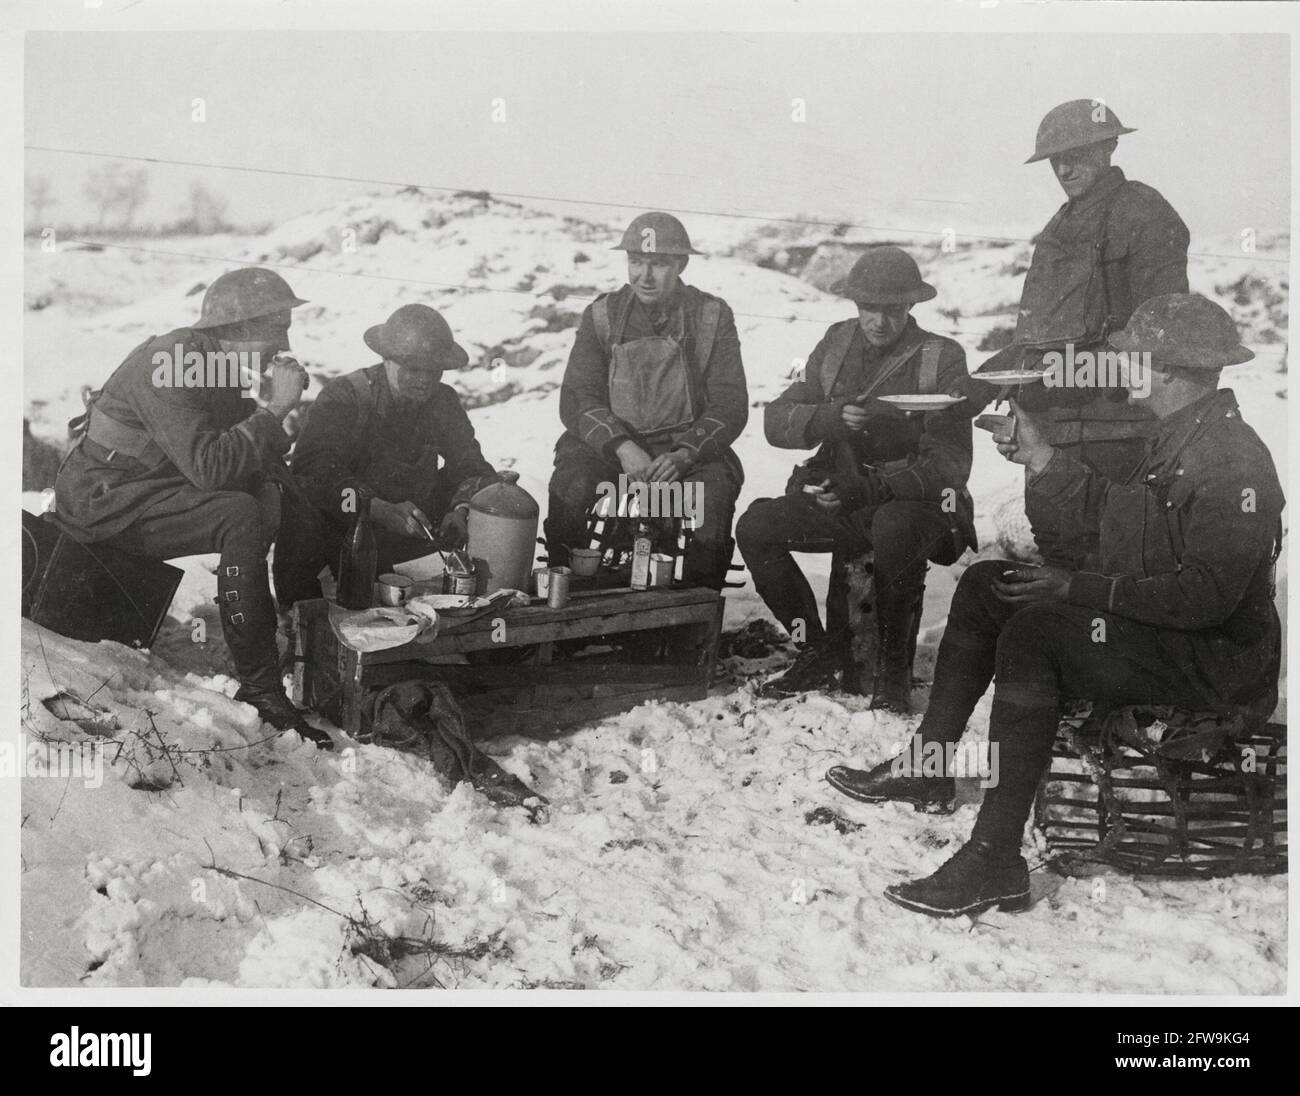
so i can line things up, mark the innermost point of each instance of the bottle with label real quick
(358, 560)
(642, 548)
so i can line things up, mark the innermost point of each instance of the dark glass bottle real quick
(358, 560)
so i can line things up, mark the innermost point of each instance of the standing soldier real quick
(881, 479)
(384, 430)
(169, 469)
(1112, 245)
(655, 390)
(1175, 607)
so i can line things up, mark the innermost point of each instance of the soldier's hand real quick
(827, 501)
(454, 530)
(1026, 585)
(403, 518)
(288, 381)
(1028, 445)
(854, 416)
(635, 462)
(669, 467)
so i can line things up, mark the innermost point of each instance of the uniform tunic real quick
(189, 438)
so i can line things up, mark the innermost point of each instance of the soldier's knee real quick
(240, 522)
(755, 525)
(1034, 630)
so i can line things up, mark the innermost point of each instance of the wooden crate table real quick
(526, 672)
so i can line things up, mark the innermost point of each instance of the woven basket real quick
(1158, 790)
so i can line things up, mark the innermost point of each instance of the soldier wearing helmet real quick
(1114, 244)
(1175, 606)
(175, 461)
(881, 479)
(396, 433)
(654, 391)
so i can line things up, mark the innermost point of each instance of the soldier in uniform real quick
(882, 479)
(654, 390)
(1176, 606)
(1112, 245)
(396, 433)
(175, 461)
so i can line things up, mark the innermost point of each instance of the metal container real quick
(661, 569)
(542, 580)
(557, 592)
(503, 522)
(393, 589)
(459, 576)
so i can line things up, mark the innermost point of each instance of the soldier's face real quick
(1078, 169)
(882, 323)
(411, 383)
(653, 277)
(266, 336)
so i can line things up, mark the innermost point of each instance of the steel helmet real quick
(885, 275)
(1184, 330)
(245, 294)
(418, 336)
(656, 234)
(1075, 124)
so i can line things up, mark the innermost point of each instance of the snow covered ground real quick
(677, 854)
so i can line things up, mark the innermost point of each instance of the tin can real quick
(557, 593)
(661, 569)
(541, 580)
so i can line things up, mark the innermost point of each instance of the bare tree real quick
(112, 187)
(134, 191)
(207, 210)
(40, 196)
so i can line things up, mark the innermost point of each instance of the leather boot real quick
(893, 780)
(973, 879)
(896, 616)
(815, 667)
(248, 621)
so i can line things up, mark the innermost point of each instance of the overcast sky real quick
(918, 131)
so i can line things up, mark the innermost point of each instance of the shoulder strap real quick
(600, 318)
(931, 350)
(706, 332)
(836, 352)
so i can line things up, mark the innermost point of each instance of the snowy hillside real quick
(677, 854)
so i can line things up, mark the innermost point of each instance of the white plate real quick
(444, 603)
(1011, 376)
(921, 402)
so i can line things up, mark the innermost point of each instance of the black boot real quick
(815, 667)
(897, 616)
(248, 621)
(893, 780)
(974, 879)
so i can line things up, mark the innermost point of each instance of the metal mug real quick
(557, 594)
(393, 589)
(542, 580)
(661, 569)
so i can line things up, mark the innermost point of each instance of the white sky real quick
(922, 131)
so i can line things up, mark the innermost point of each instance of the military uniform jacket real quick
(1187, 545)
(357, 435)
(917, 457)
(719, 399)
(157, 442)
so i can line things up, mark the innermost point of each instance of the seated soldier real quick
(174, 462)
(1175, 608)
(654, 390)
(393, 431)
(882, 479)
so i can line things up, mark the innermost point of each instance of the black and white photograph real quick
(713, 504)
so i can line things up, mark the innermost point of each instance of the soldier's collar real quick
(1111, 180)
